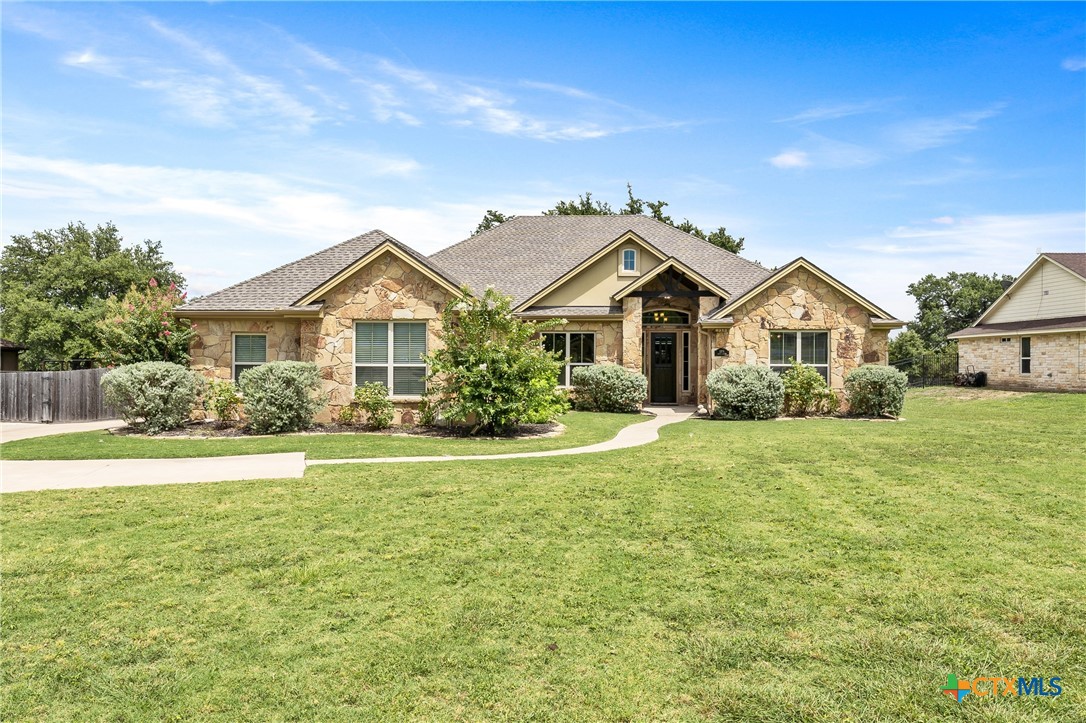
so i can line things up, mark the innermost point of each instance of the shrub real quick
(609, 388)
(160, 394)
(876, 391)
(741, 391)
(223, 399)
(372, 400)
(281, 396)
(805, 391)
(141, 326)
(492, 370)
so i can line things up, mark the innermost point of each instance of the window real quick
(627, 262)
(686, 361)
(1025, 354)
(250, 350)
(391, 353)
(577, 349)
(807, 347)
(665, 316)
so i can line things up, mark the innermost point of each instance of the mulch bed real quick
(237, 430)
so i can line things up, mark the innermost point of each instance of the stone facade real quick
(212, 348)
(388, 289)
(1057, 361)
(608, 338)
(803, 301)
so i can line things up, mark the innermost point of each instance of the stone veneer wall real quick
(1057, 361)
(802, 301)
(212, 349)
(608, 338)
(388, 289)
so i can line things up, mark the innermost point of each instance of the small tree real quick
(141, 326)
(806, 392)
(493, 371)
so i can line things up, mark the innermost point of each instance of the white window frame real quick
(391, 364)
(234, 373)
(622, 270)
(567, 370)
(1025, 361)
(781, 368)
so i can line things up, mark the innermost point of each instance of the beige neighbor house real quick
(632, 291)
(1034, 335)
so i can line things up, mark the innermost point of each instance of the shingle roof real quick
(1036, 325)
(280, 288)
(1075, 262)
(527, 253)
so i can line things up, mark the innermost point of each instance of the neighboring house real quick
(633, 291)
(1034, 335)
(9, 355)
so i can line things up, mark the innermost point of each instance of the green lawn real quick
(582, 428)
(822, 570)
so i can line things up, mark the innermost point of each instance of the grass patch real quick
(819, 570)
(582, 428)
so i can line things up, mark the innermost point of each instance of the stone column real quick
(631, 333)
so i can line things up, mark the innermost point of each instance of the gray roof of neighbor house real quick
(1017, 327)
(281, 288)
(1075, 262)
(526, 254)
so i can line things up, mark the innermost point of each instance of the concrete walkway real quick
(26, 476)
(633, 436)
(12, 431)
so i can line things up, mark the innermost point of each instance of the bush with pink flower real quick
(142, 327)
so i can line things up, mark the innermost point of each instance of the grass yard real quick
(821, 570)
(582, 428)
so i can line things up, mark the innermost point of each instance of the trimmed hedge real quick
(281, 396)
(609, 388)
(742, 391)
(161, 395)
(876, 391)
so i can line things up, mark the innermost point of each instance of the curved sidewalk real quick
(26, 476)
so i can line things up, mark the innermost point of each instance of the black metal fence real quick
(61, 396)
(929, 370)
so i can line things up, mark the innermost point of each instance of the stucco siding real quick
(594, 285)
(1050, 291)
(1057, 361)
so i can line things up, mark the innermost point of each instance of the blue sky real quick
(881, 141)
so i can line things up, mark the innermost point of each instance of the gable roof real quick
(669, 263)
(882, 317)
(1073, 262)
(280, 289)
(526, 254)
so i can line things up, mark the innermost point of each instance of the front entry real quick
(663, 368)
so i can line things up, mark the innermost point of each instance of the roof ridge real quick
(289, 263)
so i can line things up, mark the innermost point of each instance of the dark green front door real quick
(663, 368)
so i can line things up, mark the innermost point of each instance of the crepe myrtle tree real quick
(492, 371)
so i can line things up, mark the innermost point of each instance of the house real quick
(9, 355)
(1034, 335)
(632, 291)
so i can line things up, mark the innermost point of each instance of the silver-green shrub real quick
(153, 396)
(281, 396)
(876, 391)
(742, 391)
(608, 388)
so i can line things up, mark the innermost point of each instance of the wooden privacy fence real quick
(71, 396)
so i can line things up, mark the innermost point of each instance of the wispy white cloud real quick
(984, 235)
(833, 111)
(791, 158)
(1073, 64)
(924, 133)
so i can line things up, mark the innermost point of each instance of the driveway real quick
(11, 431)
